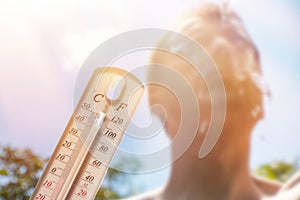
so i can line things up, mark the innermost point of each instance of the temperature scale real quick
(81, 158)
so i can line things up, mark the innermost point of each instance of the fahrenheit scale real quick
(81, 158)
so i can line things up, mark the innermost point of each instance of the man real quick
(224, 174)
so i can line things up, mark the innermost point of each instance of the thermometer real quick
(81, 158)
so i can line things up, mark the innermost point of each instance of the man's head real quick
(220, 32)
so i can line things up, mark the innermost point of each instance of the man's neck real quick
(223, 174)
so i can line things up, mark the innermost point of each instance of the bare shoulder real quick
(293, 182)
(266, 186)
(289, 190)
(152, 195)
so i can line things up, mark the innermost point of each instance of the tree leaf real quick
(3, 172)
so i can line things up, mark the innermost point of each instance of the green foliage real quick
(20, 170)
(106, 194)
(278, 170)
(117, 184)
(3, 172)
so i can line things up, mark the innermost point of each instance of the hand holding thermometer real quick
(81, 158)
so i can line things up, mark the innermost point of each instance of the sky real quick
(43, 44)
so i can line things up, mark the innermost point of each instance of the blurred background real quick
(43, 44)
